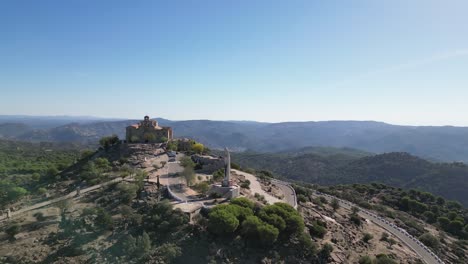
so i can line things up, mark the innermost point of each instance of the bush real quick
(302, 198)
(127, 191)
(103, 219)
(384, 259)
(168, 252)
(106, 142)
(355, 219)
(367, 237)
(317, 230)
(429, 240)
(12, 230)
(202, 187)
(326, 251)
(335, 204)
(365, 260)
(42, 191)
(39, 216)
(245, 185)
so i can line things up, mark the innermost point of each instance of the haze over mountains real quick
(434, 143)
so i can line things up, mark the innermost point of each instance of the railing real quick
(399, 229)
(290, 187)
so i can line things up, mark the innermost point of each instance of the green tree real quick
(367, 237)
(103, 219)
(12, 231)
(384, 259)
(326, 251)
(443, 222)
(440, 200)
(128, 245)
(143, 245)
(222, 222)
(202, 187)
(429, 240)
(365, 260)
(187, 162)
(253, 229)
(198, 148)
(106, 142)
(243, 202)
(335, 204)
(9, 192)
(35, 177)
(430, 217)
(172, 145)
(301, 198)
(189, 175)
(455, 227)
(127, 191)
(168, 252)
(317, 229)
(102, 164)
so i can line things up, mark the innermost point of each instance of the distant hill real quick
(449, 180)
(13, 130)
(433, 143)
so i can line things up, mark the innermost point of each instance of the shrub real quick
(301, 198)
(39, 216)
(367, 237)
(429, 240)
(335, 204)
(168, 252)
(12, 230)
(355, 219)
(317, 230)
(365, 260)
(245, 185)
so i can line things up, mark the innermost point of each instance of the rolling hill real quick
(433, 143)
(449, 180)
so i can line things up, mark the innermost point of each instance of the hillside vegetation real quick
(413, 210)
(27, 167)
(434, 143)
(449, 180)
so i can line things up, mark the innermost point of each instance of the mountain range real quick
(434, 143)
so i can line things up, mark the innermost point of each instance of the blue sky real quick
(402, 62)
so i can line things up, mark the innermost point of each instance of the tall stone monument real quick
(227, 168)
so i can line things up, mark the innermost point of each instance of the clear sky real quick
(402, 62)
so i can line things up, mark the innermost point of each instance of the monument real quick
(148, 131)
(227, 168)
(226, 189)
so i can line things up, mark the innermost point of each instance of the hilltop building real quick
(148, 131)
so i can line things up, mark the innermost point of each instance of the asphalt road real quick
(425, 253)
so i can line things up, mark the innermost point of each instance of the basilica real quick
(148, 131)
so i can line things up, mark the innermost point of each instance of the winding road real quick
(424, 252)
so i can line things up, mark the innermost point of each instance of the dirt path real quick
(68, 196)
(255, 187)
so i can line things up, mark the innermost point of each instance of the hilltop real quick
(128, 220)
